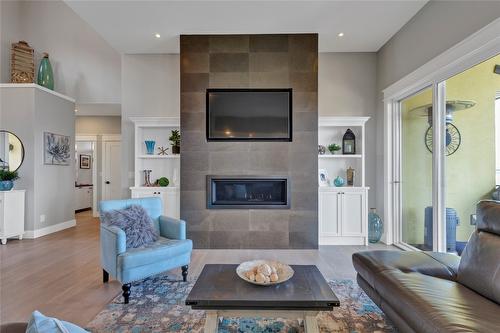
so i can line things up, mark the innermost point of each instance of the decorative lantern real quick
(349, 143)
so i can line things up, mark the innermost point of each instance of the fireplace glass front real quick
(247, 192)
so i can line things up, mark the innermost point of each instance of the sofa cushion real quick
(43, 324)
(429, 304)
(480, 265)
(135, 222)
(488, 216)
(162, 249)
(370, 263)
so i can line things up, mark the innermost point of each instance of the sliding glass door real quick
(416, 170)
(437, 182)
(470, 166)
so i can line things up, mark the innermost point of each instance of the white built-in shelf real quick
(340, 156)
(341, 188)
(160, 156)
(156, 188)
(36, 86)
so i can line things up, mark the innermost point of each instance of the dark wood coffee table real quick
(221, 292)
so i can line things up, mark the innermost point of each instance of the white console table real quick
(11, 214)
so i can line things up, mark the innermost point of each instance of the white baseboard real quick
(49, 230)
(333, 240)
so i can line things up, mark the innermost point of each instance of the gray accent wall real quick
(250, 61)
(28, 113)
(438, 26)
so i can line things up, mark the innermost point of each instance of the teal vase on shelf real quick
(45, 75)
(339, 181)
(375, 226)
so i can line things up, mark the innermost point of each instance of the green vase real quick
(45, 74)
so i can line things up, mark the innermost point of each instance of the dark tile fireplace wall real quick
(250, 61)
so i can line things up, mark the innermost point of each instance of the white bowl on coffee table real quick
(284, 271)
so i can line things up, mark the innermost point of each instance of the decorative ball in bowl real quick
(264, 272)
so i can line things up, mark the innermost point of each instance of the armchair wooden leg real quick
(105, 276)
(126, 292)
(184, 272)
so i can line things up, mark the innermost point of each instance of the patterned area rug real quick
(157, 305)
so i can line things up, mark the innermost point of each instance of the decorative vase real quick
(339, 181)
(321, 150)
(350, 176)
(45, 74)
(147, 178)
(375, 226)
(6, 185)
(150, 146)
(176, 149)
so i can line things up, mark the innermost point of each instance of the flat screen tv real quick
(249, 114)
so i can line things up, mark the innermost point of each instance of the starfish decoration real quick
(162, 151)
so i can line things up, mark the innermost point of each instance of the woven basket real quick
(22, 66)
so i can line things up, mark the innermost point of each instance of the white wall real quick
(10, 12)
(347, 87)
(435, 28)
(94, 125)
(85, 66)
(150, 87)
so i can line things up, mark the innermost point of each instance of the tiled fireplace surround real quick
(250, 61)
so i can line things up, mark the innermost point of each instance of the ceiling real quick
(130, 26)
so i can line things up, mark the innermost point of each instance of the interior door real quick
(112, 171)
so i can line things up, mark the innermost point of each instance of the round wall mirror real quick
(11, 151)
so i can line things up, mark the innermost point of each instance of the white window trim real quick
(473, 50)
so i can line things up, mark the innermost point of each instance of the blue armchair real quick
(128, 265)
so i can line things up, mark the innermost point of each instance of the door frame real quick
(473, 50)
(93, 139)
(105, 139)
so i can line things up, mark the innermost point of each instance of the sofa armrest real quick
(113, 242)
(172, 228)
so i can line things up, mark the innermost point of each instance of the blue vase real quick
(375, 226)
(339, 181)
(150, 147)
(6, 185)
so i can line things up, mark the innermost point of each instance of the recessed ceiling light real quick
(157, 35)
(76, 110)
(341, 34)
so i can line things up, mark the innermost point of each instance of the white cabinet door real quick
(329, 214)
(352, 213)
(2, 215)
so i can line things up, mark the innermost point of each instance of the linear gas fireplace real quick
(244, 192)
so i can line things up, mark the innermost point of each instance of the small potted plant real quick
(175, 139)
(7, 179)
(334, 148)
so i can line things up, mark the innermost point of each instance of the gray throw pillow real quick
(136, 224)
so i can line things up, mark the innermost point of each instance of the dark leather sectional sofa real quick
(439, 292)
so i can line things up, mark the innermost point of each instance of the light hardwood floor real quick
(60, 274)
